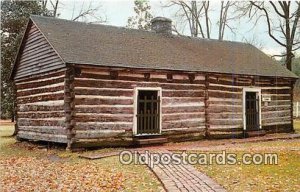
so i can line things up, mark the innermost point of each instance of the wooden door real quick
(148, 112)
(252, 111)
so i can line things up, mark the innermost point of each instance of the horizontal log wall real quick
(40, 107)
(36, 56)
(277, 115)
(226, 104)
(225, 107)
(104, 106)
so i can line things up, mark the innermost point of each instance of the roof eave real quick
(16, 60)
(294, 77)
(48, 40)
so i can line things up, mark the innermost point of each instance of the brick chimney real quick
(161, 25)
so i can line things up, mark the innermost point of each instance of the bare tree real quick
(51, 6)
(197, 15)
(224, 18)
(253, 41)
(88, 11)
(84, 12)
(192, 12)
(282, 20)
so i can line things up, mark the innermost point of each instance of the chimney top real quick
(161, 25)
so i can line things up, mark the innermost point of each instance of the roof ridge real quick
(93, 24)
(141, 30)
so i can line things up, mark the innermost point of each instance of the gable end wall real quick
(36, 55)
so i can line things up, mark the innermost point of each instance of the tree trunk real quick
(221, 21)
(289, 57)
(289, 42)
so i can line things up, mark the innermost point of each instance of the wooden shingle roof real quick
(102, 45)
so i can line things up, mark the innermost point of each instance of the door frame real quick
(159, 94)
(257, 91)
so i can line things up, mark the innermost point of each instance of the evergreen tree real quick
(15, 15)
(143, 16)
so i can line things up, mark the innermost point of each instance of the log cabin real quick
(88, 85)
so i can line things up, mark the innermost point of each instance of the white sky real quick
(118, 11)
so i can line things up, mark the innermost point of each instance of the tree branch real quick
(296, 48)
(294, 28)
(283, 55)
(206, 7)
(269, 24)
(276, 10)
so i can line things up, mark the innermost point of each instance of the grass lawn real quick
(26, 167)
(281, 177)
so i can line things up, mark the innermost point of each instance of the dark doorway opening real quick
(148, 112)
(252, 111)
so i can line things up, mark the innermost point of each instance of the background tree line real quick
(281, 20)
